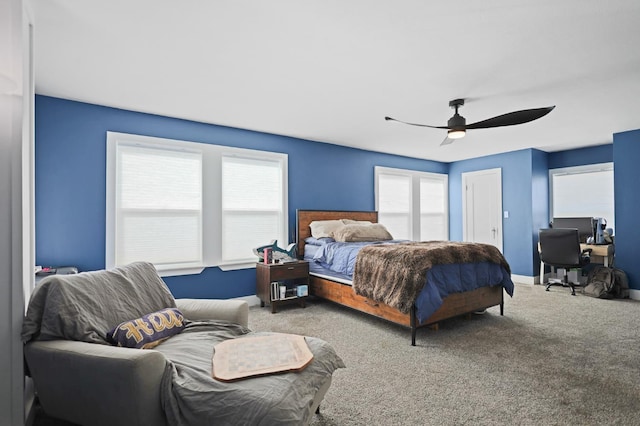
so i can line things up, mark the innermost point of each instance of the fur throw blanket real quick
(395, 273)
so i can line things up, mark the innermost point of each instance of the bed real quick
(469, 294)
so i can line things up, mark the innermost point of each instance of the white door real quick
(482, 207)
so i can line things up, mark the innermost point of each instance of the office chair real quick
(560, 247)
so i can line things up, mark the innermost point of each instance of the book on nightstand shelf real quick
(281, 291)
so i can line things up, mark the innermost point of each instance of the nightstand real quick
(280, 283)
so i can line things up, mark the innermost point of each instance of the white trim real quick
(634, 294)
(574, 170)
(415, 177)
(465, 177)
(525, 279)
(211, 202)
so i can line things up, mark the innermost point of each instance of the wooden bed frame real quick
(453, 305)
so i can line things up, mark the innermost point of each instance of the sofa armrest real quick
(233, 310)
(88, 383)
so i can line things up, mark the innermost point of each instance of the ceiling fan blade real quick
(512, 118)
(447, 140)
(415, 124)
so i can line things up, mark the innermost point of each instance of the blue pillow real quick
(148, 331)
(319, 241)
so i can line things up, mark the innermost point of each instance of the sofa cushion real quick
(86, 306)
(148, 331)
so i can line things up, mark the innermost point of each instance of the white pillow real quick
(324, 228)
(359, 222)
(357, 232)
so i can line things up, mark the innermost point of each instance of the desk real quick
(600, 253)
(604, 252)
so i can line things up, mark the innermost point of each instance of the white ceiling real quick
(330, 70)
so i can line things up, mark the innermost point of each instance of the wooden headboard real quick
(305, 217)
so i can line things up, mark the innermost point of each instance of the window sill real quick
(237, 266)
(169, 271)
(174, 271)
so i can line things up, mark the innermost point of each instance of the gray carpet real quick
(553, 359)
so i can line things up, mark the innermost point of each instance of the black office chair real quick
(560, 247)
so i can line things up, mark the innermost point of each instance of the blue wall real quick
(626, 155)
(71, 182)
(539, 199)
(581, 156)
(517, 199)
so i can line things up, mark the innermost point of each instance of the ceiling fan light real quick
(456, 134)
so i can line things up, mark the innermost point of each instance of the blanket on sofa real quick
(396, 273)
(85, 307)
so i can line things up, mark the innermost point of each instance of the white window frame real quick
(211, 199)
(415, 214)
(574, 170)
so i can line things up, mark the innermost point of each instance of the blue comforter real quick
(440, 281)
(341, 257)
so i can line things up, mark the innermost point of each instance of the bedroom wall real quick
(516, 199)
(71, 173)
(71, 170)
(581, 156)
(539, 200)
(626, 153)
(15, 63)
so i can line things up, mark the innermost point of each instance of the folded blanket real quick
(190, 396)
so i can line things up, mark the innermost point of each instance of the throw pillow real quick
(148, 331)
(324, 228)
(358, 233)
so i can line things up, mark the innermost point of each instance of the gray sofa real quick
(81, 378)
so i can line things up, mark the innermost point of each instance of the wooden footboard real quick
(453, 305)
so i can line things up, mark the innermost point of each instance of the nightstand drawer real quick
(289, 271)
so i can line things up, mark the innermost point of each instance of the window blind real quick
(252, 205)
(433, 210)
(394, 204)
(185, 206)
(583, 192)
(412, 205)
(158, 206)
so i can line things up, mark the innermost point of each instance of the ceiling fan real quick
(457, 125)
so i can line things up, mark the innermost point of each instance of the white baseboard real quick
(251, 300)
(524, 279)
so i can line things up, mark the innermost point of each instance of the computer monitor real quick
(584, 225)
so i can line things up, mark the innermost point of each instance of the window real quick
(251, 204)
(412, 205)
(185, 206)
(158, 206)
(583, 191)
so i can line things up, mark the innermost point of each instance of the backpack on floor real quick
(601, 283)
(621, 286)
(607, 283)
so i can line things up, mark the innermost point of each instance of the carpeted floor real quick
(553, 359)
